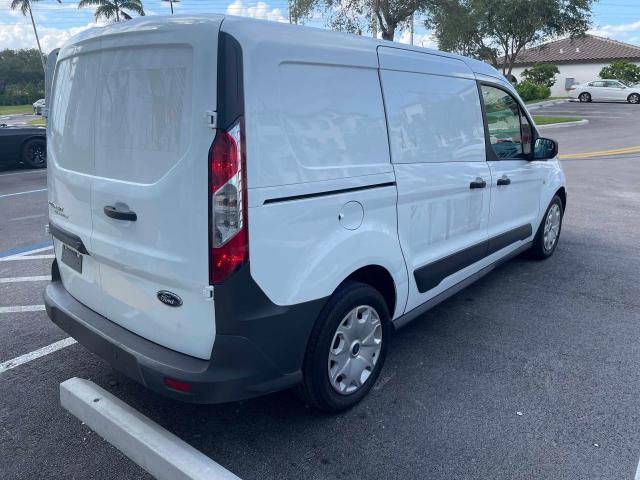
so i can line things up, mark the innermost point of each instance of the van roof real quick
(259, 28)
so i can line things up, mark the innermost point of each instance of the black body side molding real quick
(328, 192)
(512, 236)
(429, 276)
(68, 238)
(408, 317)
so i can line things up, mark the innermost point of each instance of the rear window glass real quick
(144, 112)
(123, 114)
(73, 113)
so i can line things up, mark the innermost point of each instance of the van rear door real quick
(156, 79)
(70, 173)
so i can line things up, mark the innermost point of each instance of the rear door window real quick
(144, 112)
(72, 117)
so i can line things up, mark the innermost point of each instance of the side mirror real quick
(545, 149)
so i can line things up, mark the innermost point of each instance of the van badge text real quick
(169, 298)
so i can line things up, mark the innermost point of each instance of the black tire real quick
(34, 153)
(316, 388)
(540, 250)
(584, 97)
(634, 98)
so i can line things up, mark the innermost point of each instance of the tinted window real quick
(509, 130)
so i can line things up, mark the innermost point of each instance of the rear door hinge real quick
(207, 292)
(211, 118)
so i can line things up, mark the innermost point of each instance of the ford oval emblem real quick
(169, 298)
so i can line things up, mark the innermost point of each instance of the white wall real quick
(581, 72)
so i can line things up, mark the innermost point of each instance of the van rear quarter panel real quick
(315, 123)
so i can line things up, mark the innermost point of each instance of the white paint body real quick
(605, 90)
(582, 72)
(323, 112)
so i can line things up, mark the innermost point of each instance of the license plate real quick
(72, 258)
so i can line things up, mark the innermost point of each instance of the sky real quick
(57, 22)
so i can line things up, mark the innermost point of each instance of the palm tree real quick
(25, 7)
(110, 9)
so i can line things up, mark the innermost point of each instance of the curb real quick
(584, 121)
(158, 451)
(546, 103)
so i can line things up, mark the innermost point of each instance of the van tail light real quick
(228, 239)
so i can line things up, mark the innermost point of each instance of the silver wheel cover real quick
(551, 227)
(355, 349)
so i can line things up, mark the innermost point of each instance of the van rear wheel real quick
(347, 348)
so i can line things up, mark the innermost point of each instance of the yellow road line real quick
(603, 153)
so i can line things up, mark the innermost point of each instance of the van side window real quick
(433, 118)
(510, 132)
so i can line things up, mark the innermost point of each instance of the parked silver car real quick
(605, 90)
(38, 106)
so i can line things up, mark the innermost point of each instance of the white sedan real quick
(605, 90)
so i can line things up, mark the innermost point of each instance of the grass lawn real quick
(15, 109)
(544, 120)
(37, 121)
(544, 100)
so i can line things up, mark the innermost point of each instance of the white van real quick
(240, 206)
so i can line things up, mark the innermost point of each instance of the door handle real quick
(478, 183)
(504, 181)
(112, 212)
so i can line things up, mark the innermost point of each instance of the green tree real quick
(541, 74)
(25, 7)
(113, 9)
(21, 76)
(498, 30)
(622, 70)
(356, 16)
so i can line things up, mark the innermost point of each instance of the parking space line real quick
(39, 278)
(19, 173)
(158, 451)
(28, 255)
(33, 257)
(23, 193)
(22, 308)
(41, 352)
(27, 217)
(35, 248)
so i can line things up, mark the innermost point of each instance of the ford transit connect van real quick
(240, 207)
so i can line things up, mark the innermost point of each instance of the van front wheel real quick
(546, 239)
(347, 348)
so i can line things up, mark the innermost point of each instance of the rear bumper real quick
(238, 368)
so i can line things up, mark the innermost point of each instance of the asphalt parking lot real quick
(17, 119)
(531, 373)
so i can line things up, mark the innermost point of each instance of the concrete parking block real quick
(155, 449)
